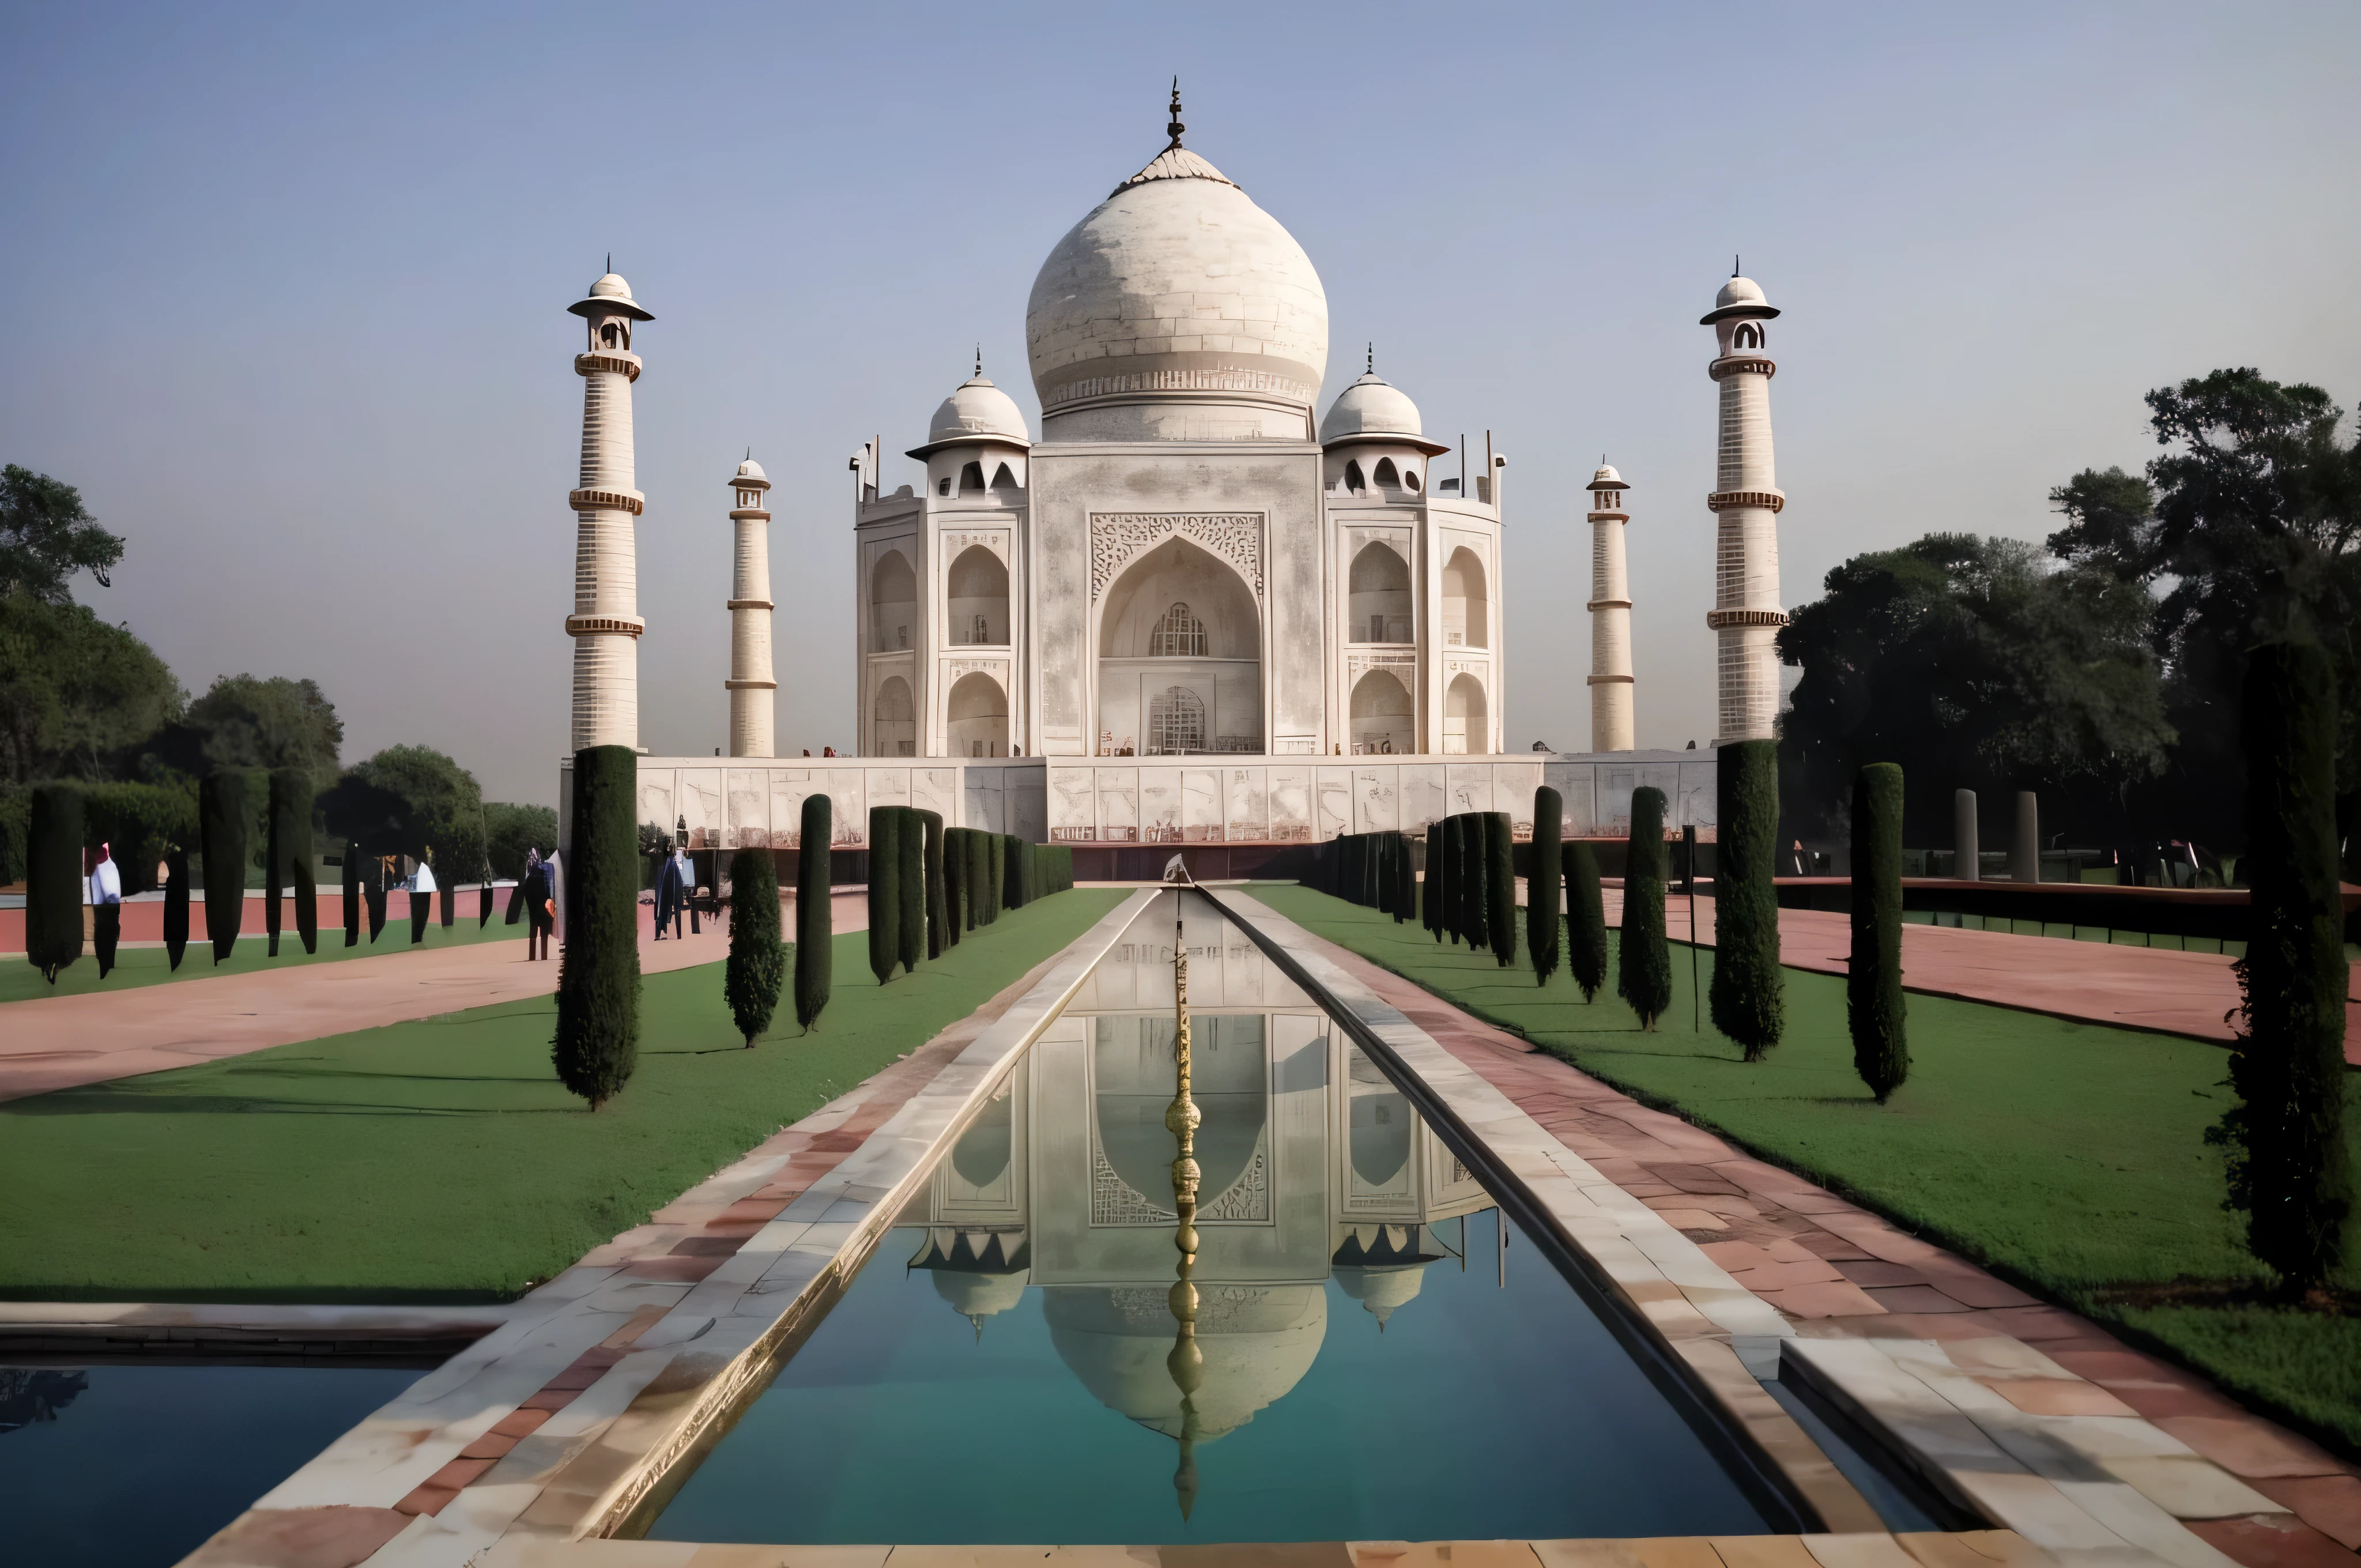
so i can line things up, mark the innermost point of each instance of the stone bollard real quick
(2024, 853)
(1965, 864)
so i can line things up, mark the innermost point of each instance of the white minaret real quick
(1611, 617)
(1747, 613)
(749, 681)
(606, 624)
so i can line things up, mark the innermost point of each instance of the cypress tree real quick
(1874, 1003)
(373, 891)
(1405, 874)
(421, 908)
(1585, 920)
(274, 862)
(1429, 896)
(914, 893)
(815, 913)
(352, 868)
(1545, 887)
(960, 920)
(598, 1039)
(1019, 889)
(221, 838)
(992, 875)
(288, 852)
(54, 884)
(758, 961)
(1747, 983)
(1475, 892)
(1500, 885)
(1455, 875)
(884, 890)
(176, 904)
(2289, 1169)
(938, 921)
(1643, 975)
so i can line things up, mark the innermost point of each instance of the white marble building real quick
(1186, 563)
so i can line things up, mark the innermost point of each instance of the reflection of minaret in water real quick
(1187, 1361)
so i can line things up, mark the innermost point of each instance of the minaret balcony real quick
(1773, 502)
(598, 625)
(594, 500)
(1719, 618)
(612, 361)
(1731, 365)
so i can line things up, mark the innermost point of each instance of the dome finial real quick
(1370, 366)
(1733, 264)
(978, 359)
(610, 261)
(1176, 127)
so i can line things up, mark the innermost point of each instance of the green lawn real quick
(19, 980)
(2069, 1157)
(440, 1160)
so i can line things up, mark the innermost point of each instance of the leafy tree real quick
(243, 722)
(46, 536)
(2247, 531)
(1977, 666)
(415, 801)
(511, 830)
(74, 690)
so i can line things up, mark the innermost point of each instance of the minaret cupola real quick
(976, 442)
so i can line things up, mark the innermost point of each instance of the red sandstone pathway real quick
(2138, 988)
(1834, 1270)
(62, 1042)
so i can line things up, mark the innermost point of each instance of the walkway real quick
(63, 1042)
(1837, 1271)
(2137, 988)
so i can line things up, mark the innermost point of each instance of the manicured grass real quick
(20, 981)
(440, 1160)
(2070, 1156)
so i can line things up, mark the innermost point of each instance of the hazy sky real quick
(286, 290)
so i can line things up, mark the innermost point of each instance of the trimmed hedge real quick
(910, 871)
(939, 934)
(1875, 1006)
(1748, 1004)
(288, 857)
(221, 838)
(1500, 885)
(352, 879)
(176, 904)
(1475, 900)
(758, 960)
(815, 912)
(1544, 888)
(1644, 973)
(2288, 1168)
(884, 890)
(1585, 920)
(53, 887)
(598, 1041)
(1016, 888)
(959, 920)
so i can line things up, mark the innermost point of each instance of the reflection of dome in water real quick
(1258, 1342)
(977, 1297)
(1381, 1291)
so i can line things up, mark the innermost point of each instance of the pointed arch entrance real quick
(1179, 668)
(977, 718)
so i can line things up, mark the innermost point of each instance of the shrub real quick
(1643, 974)
(53, 888)
(1500, 885)
(598, 1040)
(758, 962)
(912, 894)
(815, 913)
(1585, 920)
(176, 904)
(939, 934)
(1747, 1005)
(1875, 1007)
(221, 837)
(2289, 1169)
(884, 890)
(1545, 887)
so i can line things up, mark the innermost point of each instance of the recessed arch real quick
(893, 719)
(1386, 475)
(976, 589)
(893, 602)
(1180, 619)
(971, 477)
(1465, 732)
(1383, 720)
(1466, 609)
(1354, 482)
(1004, 478)
(977, 717)
(1378, 608)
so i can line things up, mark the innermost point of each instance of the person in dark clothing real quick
(540, 906)
(106, 909)
(669, 893)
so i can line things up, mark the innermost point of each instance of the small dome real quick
(1739, 297)
(749, 469)
(610, 287)
(1606, 478)
(1371, 406)
(610, 295)
(976, 410)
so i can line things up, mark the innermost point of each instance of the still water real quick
(1381, 1362)
(102, 1466)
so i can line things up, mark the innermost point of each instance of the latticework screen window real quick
(1176, 721)
(1178, 634)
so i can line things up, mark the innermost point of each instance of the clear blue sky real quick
(286, 288)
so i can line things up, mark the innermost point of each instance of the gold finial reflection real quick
(1187, 1361)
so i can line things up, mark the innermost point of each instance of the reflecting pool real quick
(1377, 1354)
(139, 1463)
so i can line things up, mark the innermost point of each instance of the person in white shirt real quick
(422, 900)
(105, 897)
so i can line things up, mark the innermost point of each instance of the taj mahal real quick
(1197, 610)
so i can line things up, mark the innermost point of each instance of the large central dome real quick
(1181, 300)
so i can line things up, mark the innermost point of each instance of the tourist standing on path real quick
(669, 893)
(106, 909)
(540, 906)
